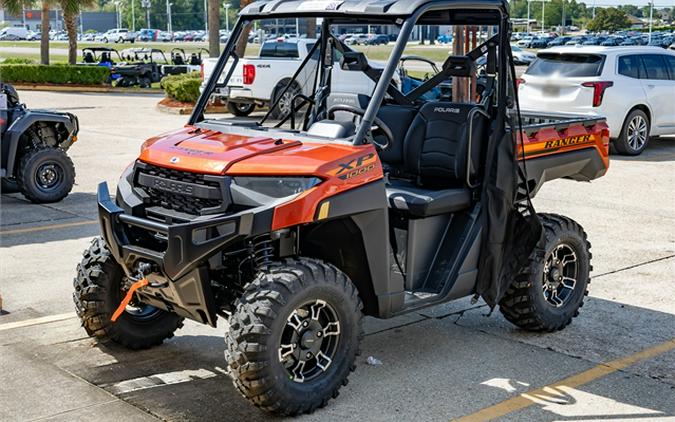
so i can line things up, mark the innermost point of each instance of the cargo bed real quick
(561, 145)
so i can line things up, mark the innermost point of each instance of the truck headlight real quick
(276, 187)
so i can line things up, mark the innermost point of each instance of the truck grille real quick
(181, 191)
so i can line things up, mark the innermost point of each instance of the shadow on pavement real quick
(422, 359)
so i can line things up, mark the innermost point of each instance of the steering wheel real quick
(361, 112)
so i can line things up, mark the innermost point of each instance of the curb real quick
(185, 110)
(93, 88)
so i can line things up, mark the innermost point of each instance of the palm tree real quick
(214, 28)
(15, 7)
(243, 38)
(71, 8)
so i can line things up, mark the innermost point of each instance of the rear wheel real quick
(549, 291)
(240, 109)
(99, 289)
(283, 109)
(634, 134)
(294, 336)
(45, 175)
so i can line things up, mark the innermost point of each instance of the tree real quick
(15, 7)
(609, 19)
(240, 49)
(71, 8)
(214, 28)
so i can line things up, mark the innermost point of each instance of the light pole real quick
(206, 17)
(227, 18)
(543, 15)
(297, 27)
(528, 16)
(169, 27)
(133, 16)
(562, 27)
(651, 15)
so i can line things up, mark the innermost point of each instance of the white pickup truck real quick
(260, 81)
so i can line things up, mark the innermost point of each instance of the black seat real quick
(421, 202)
(89, 57)
(436, 157)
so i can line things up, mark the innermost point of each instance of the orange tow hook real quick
(137, 285)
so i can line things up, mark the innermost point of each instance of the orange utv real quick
(378, 203)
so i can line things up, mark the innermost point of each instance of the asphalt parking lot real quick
(615, 362)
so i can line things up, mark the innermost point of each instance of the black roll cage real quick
(438, 12)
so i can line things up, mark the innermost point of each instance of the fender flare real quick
(24, 122)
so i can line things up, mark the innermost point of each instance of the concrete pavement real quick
(441, 363)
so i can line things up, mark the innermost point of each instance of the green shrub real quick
(18, 60)
(54, 74)
(183, 88)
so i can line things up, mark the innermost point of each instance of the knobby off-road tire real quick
(97, 295)
(530, 302)
(45, 175)
(261, 325)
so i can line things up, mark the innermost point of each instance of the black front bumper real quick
(187, 244)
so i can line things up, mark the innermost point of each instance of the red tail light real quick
(598, 90)
(201, 71)
(519, 82)
(249, 74)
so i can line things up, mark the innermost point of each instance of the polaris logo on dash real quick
(446, 110)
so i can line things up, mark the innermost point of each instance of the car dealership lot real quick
(616, 361)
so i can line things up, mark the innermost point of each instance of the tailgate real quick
(561, 145)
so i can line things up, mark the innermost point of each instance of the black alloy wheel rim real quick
(561, 272)
(309, 341)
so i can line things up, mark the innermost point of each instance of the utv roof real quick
(373, 8)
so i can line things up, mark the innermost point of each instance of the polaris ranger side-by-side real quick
(375, 204)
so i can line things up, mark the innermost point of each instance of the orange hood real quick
(212, 152)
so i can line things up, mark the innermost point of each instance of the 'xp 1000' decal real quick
(565, 142)
(356, 167)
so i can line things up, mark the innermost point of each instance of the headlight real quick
(275, 187)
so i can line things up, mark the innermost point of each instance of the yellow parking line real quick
(521, 402)
(37, 321)
(49, 227)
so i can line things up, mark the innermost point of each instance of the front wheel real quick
(634, 134)
(294, 336)
(100, 287)
(45, 175)
(549, 291)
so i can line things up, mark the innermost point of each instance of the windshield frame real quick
(406, 25)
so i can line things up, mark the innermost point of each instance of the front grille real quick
(181, 191)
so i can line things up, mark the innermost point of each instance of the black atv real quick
(34, 145)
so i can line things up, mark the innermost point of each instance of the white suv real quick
(633, 87)
(117, 35)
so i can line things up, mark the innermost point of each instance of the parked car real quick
(633, 87)
(379, 39)
(558, 41)
(165, 36)
(444, 39)
(356, 39)
(522, 57)
(525, 42)
(13, 33)
(147, 34)
(578, 40)
(612, 42)
(116, 35)
(541, 42)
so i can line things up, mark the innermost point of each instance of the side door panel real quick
(660, 91)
